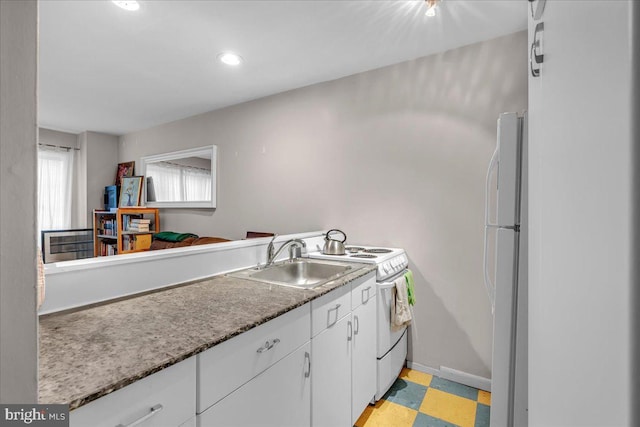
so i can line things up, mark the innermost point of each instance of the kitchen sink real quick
(299, 273)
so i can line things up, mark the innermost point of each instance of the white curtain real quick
(197, 184)
(176, 183)
(55, 178)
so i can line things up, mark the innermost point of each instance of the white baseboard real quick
(465, 378)
(423, 368)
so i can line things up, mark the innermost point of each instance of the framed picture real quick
(124, 170)
(130, 191)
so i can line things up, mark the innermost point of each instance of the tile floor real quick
(417, 399)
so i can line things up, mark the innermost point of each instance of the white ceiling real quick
(108, 70)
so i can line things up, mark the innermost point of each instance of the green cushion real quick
(170, 236)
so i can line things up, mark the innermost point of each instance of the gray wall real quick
(98, 161)
(394, 157)
(18, 136)
(54, 137)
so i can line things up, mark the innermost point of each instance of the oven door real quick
(388, 335)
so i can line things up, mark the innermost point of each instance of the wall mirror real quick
(181, 179)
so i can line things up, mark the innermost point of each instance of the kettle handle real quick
(339, 231)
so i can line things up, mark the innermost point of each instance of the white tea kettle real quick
(332, 246)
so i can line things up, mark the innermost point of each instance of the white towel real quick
(400, 312)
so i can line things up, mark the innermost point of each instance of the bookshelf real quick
(105, 233)
(136, 226)
(127, 230)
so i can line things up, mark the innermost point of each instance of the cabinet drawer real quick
(363, 291)
(227, 366)
(327, 310)
(278, 397)
(173, 388)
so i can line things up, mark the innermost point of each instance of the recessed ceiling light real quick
(127, 4)
(230, 58)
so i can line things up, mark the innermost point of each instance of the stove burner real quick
(354, 248)
(378, 251)
(363, 256)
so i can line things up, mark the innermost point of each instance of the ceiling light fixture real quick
(127, 4)
(431, 7)
(230, 58)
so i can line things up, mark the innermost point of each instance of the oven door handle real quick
(392, 283)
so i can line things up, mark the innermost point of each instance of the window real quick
(55, 177)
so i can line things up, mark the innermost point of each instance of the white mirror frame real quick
(193, 152)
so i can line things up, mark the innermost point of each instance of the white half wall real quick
(18, 160)
(394, 157)
(73, 284)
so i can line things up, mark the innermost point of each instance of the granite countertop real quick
(92, 352)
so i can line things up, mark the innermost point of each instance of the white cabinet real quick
(164, 399)
(331, 375)
(343, 368)
(329, 308)
(229, 365)
(266, 376)
(363, 360)
(278, 397)
(259, 378)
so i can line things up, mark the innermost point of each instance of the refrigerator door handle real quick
(487, 280)
(490, 286)
(492, 166)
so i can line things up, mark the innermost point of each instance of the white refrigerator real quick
(505, 270)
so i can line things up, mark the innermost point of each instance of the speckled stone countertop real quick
(92, 352)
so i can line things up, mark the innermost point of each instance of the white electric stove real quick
(391, 342)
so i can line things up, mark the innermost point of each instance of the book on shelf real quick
(127, 221)
(107, 249)
(107, 227)
(136, 243)
(142, 242)
(127, 243)
(140, 221)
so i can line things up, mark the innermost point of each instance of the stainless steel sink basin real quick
(300, 273)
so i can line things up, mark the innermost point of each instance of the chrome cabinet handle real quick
(356, 322)
(268, 345)
(329, 322)
(350, 329)
(307, 359)
(154, 411)
(367, 290)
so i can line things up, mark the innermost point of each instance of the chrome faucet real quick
(296, 248)
(270, 250)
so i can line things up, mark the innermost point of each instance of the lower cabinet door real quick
(363, 363)
(278, 397)
(164, 399)
(331, 375)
